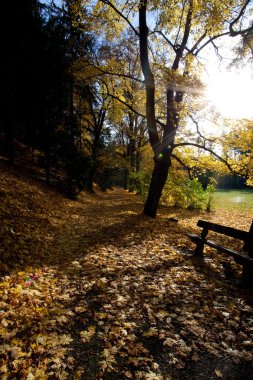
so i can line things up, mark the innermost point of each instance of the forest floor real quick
(92, 289)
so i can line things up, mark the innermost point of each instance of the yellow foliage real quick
(238, 148)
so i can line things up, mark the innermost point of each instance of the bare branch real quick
(211, 39)
(198, 131)
(217, 51)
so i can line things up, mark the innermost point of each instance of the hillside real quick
(92, 289)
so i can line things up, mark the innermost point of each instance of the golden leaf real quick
(218, 373)
(87, 334)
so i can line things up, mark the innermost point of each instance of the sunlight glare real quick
(231, 93)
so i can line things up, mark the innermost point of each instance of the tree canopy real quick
(92, 83)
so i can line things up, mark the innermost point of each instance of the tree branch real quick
(182, 46)
(166, 39)
(183, 164)
(180, 22)
(105, 72)
(234, 33)
(216, 48)
(208, 150)
(198, 131)
(107, 2)
(132, 109)
(125, 104)
(198, 42)
(211, 39)
(231, 31)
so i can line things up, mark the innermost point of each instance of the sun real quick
(231, 94)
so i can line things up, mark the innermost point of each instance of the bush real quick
(186, 193)
(139, 182)
(178, 191)
(210, 195)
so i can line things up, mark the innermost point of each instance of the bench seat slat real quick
(224, 230)
(194, 238)
(241, 257)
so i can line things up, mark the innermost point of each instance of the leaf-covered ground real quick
(92, 289)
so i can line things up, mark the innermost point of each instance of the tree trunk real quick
(90, 180)
(161, 146)
(125, 179)
(94, 156)
(158, 180)
(161, 165)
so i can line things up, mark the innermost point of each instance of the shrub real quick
(139, 182)
(178, 191)
(186, 193)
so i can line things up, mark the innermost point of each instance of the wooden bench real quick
(244, 258)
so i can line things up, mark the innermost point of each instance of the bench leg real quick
(200, 244)
(247, 274)
(199, 249)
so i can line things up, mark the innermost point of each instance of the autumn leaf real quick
(125, 303)
(87, 334)
(152, 332)
(153, 376)
(218, 373)
(65, 339)
(169, 342)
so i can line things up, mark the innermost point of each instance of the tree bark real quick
(160, 148)
(125, 179)
(158, 180)
(95, 148)
(149, 79)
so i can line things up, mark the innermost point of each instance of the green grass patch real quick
(233, 199)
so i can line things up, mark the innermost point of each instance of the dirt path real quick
(110, 295)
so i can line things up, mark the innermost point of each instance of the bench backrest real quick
(228, 231)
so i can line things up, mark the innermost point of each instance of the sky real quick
(230, 92)
(229, 89)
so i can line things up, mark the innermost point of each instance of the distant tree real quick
(97, 108)
(53, 79)
(126, 94)
(237, 145)
(69, 21)
(39, 91)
